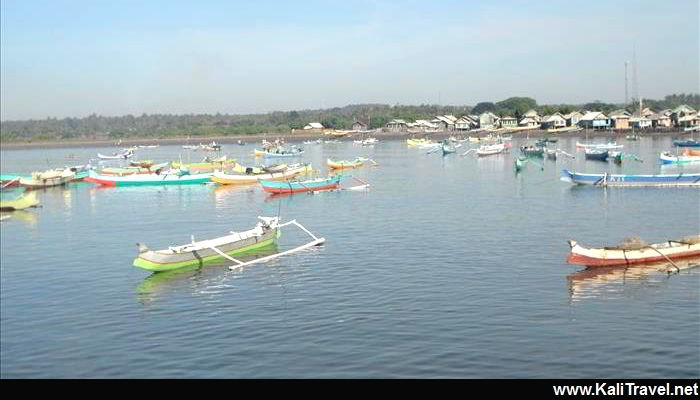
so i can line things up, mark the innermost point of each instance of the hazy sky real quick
(75, 58)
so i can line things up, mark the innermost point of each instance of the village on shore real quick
(682, 117)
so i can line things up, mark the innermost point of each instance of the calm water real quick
(447, 267)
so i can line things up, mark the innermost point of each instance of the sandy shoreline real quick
(293, 138)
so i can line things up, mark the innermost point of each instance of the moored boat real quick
(634, 252)
(490, 149)
(50, 178)
(265, 233)
(133, 170)
(257, 174)
(295, 186)
(599, 146)
(17, 199)
(604, 180)
(171, 177)
(532, 151)
(668, 158)
(342, 164)
(595, 154)
(117, 156)
(691, 152)
(687, 143)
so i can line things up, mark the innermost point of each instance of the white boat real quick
(599, 146)
(668, 158)
(488, 150)
(117, 156)
(54, 177)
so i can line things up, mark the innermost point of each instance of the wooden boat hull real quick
(40, 183)
(200, 254)
(242, 178)
(606, 257)
(602, 146)
(692, 180)
(532, 152)
(299, 187)
(145, 180)
(686, 143)
(596, 155)
(24, 200)
(344, 164)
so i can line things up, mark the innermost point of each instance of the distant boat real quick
(283, 153)
(488, 150)
(241, 143)
(171, 177)
(605, 180)
(341, 164)
(601, 146)
(598, 155)
(253, 177)
(687, 143)
(312, 185)
(634, 252)
(117, 156)
(448, 149)
(54, 177)
(668, 158)
(532, 151)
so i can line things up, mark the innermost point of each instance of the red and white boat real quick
(634, 253)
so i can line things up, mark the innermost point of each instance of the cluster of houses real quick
(681, 117)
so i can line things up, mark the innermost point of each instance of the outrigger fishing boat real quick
(171, 177)
(687, 143)
(597, 155)
(17, 199)
(532, 151)
(254, 175)
(521, 161)
(634, 252)
(418, 142)
(117, 156)
(134, 170)
(448, 148)
(199, 253)
(294, 186)
(50, 178)
(606, 179)
(601, 146)
(342, 164)
(668, 158)
(207, 165)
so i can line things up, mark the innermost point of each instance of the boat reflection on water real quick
(196, 277)
(595, 282)
(31, 218)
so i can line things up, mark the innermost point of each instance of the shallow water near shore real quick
(447, 267)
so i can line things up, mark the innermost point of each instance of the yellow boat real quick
(417, 142)
(24, 200)
(358, 162)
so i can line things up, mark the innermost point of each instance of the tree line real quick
(282, 122)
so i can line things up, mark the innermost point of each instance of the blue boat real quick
(295, 186)
(673, 180)
(687, 143)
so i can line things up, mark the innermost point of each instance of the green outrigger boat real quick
(199, 253)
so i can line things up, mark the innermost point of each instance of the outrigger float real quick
(198, 253)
